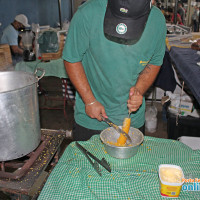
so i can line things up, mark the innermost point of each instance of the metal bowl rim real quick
(122, 146)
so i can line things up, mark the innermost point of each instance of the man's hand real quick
(135, 99)
(145, 80)
(95, 111)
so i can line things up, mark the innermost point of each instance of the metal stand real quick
(29, 185)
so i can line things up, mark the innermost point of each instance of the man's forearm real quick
(17, 50)
(78, 78)
(147, 77)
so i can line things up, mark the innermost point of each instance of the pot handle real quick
(43, 73)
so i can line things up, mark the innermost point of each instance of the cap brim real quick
(134, 27)
(27, 25)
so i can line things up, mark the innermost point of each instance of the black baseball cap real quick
(125, 20)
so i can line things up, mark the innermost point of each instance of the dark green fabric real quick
(48, 42)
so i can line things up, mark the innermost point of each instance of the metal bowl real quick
(109, 138)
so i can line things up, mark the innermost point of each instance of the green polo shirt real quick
(111, 68)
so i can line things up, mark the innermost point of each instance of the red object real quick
(164, 195)
(178, 17)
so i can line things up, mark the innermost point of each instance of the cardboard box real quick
(5, 56)
(182, 102)
(185, 106)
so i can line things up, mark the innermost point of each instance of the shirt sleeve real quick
(77, 41)
(12, 38)
(157, 58)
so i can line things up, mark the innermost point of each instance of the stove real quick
(27, 175)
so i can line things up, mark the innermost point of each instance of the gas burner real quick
(17, 168)
(21, 175)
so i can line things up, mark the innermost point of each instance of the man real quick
(113, 53)
(170, 13)
(181, 11)
(195, 19)
(11, 36)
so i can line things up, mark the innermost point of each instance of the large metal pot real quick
(19, 114)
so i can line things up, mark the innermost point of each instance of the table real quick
(181, 41)
(185, 60)
(135, 178)
(52, 68)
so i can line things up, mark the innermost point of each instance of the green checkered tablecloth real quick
(135, 178)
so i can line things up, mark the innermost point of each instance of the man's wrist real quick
(89, 104)
(137, 89)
